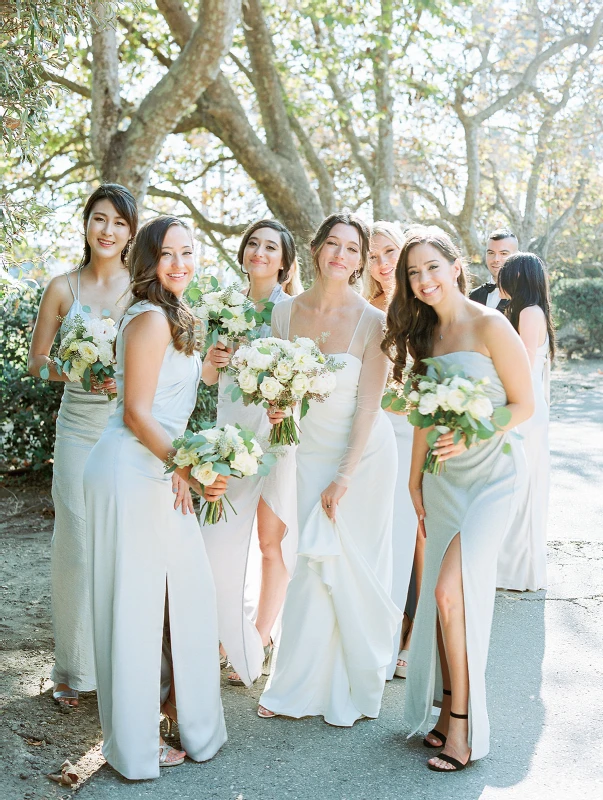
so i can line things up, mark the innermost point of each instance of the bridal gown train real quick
(81, 419)
(477, 497)
(140, 547)
(232, 545)
(338, 619)
(522, 557)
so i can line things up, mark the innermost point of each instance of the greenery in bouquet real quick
(394, 398)
(279, 373)
(227, 315)
(85, 354)
(450, 401)
(214, 451)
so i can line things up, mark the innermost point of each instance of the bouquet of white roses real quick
(280, 373)
(452, 402)
(86, 352)
(227, 314)
(219, 451)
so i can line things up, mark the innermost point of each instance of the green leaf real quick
(87, 309)
(270, 459)
(458, 435)
(97, 367)
(507, 449)
(399, 404)
(236, 393)
(501, 416)
(263, 470)
(432, 437)
(45, 372)
(416, 418)
(86, 380)
(214, 282)
(221, 468)
(305, 407)
(387, 399)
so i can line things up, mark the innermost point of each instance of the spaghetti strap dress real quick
(339, 620)
(476, 497)
(232, 544)
(140, 549)
(81, 419)
(522, 557)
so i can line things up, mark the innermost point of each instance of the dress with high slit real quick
(339, 620)
(476, 496)
(81, 419)
(522, 556)
(140, 547)
(232, 544)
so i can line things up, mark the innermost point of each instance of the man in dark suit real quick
(501, 244)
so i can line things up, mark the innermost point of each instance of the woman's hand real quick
(445, 447)
(276, 415)
(330, 499)
(183, 497)
(108, 386)
(219, 356)
(216, 489)
(416, 495)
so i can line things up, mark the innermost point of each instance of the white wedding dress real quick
(522, 556)
(232, 545)
(338, 619)
(139, 548)
(81, 419)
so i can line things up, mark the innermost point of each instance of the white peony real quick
(456, 400)
(305, 361)
(237, 298)
(283, 370)
(245, 462)
(185, 458)
(428, 404)
(271, 388)
(214, 301)
(257, 360)
(322, 384)
(300, 384)
(204, 473)
(105, 353)
(201, 312)
(442, 392)
(305, 342)
(414, 396)
(248, 381)
(88, 352)
(480, 406)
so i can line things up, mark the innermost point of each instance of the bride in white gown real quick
(338, 620)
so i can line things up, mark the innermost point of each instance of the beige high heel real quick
(169, 720)
(268, 653)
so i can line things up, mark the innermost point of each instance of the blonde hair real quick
(390, 230)
(292, 285)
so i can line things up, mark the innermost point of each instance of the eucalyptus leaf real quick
(432, 437)
(45, 372)
(221, 468)
(507, 449)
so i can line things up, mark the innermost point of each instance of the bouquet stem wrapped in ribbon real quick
(280, 373)
(86, 352)
(214, 451)
(452, 402)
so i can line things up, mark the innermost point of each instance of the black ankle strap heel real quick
(459, 716)
(435, 732)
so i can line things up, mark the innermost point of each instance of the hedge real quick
(578, 311)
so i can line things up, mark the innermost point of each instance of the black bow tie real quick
(490, 287)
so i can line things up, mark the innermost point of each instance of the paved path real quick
(545, 683)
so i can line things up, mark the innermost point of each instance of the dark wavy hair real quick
(410, 322)
(523, 277)
(123, 201)
(144, 257)
(287, 244)
(322, 234)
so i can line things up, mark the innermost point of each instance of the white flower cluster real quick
(227, 311)
(455, 393)
(228, 446)
(86, 343)
(283, 372)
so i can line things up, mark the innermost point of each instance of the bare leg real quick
(444, 719)
(451, 610)
(274, 572)
(419, 560)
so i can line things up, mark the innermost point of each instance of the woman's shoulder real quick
(63, 285)
(533, 314)
(142, 306)
(373, 316)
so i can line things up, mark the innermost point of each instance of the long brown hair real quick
(144, 257)
(410, 322)
(324, 230)
(523, 277)
(287, 273)
(123, 201)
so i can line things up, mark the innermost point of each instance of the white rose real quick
(73, 347)
(105, 353)
(88, 352)
(237, 298)
(283, 370)
(442, 395)
(428, 404)
(201, 312)
(271, 388)
(426, 386)
(322, 384)
(185, 458)
(456, 400)
(300, 384)
(232, 435)
(256, 450)
(414, 396)
(204, 473)
(211, 434)
(305, 361)
(214, 301)
(461, 383)
(248, 381)
(245, 462)
(480, 406)
(257, 360)
(305, 342)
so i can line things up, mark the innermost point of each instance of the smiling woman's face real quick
(263, 254)
(430, 274)
(340, 254)
(107, 232)
(383, 257)
(176, 265)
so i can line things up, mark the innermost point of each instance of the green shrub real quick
(205, 410)
(28, 406)
(578, 311)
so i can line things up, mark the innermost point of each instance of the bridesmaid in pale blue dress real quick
(467, 509)
(95, 289)
(522, 558)
(141, 550)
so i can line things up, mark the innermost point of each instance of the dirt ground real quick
(36, 736)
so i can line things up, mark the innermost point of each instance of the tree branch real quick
(77, 88)
(325, 184)
(133, 33)
(106, 100)
(177, 17)
(202, 222)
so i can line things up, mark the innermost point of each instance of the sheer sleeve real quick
(280, 319)
(371, 385)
